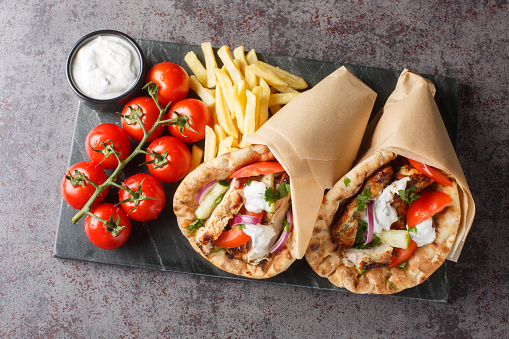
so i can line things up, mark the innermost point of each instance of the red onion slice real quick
(245, 219)
(371, 223)
(204, 191)
(280, 243)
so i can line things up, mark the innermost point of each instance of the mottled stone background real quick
(41, 296)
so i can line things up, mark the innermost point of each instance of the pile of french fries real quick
(239, 95)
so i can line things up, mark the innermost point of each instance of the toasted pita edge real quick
(184, 207)
(325, 257)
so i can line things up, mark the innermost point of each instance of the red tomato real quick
(243, 211)
(175, 165)
(264, 167)
(149, 117)
(146, 209)
(109, 236)
(199, 116)
(403, 254)
(429, 204)
(112, 135)
(234, 237)
(172, 80)
(431, 172)
(78, 195)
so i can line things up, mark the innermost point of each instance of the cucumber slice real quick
(211, 200)
(395, 238)
(268, 179)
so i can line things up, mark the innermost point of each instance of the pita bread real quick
(184, 206)
(325, 257)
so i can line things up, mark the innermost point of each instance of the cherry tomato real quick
(176, 163)
(429, 204)
(403, 254)
(264, 167)
(146, 209)
(431, 172)
(234, 237)
(111, 236)
(112, 135)
(199, 116)
(172, 80)
(149, 117)
(78, 195)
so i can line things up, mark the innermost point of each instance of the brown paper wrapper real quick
(316, 138)
(410, 125)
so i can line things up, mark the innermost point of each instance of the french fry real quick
(226, 86)
(225, 145)
(210, 63)
(196, 156)
(223, 115)
(292, 80)
(237, 64)
(258, 92)
(274, 109)
(213, 111)
(220, 133)
(281, 98)
(241, 57)
(264, 103)
(239, 103)
(205, 94)
(250, 116)
(210, 144)
(251, 57)
(285, 89)
(251, 79)
(196, 66)
(270, 77)
(226, 58)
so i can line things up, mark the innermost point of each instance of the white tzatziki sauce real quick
(105, 67)
(261, 237)
(384, 214)
(425, 233)
(255, 196)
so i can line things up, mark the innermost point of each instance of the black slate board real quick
(159, 244)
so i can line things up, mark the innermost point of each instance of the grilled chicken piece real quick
(345, 229)
(236, 252)
(230, 205)
(419, 181)
(374, 257)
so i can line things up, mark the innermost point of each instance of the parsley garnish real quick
(360, 240)
(346, 181)
(391, 284)
(362, 200)
(402, 265)
(286, 226)
(361, 272)
(249, 182)
(195, 225)
(271, 195)
(409, 194)
(412, 230)
(241, 226)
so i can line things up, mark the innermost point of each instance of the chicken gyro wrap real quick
(235, 210)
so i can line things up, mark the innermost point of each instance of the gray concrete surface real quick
(41, 296)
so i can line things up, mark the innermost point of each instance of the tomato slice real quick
(234, 237)
(244, 211)
(264, 167)
(429, 204)
(403, 254)
(431, 172)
